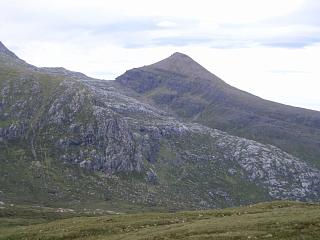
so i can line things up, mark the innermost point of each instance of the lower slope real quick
(275, 220)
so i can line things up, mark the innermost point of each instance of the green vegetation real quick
(5, 123)
(50, 183)
(275, 220)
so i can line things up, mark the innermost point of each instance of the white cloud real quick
(167, 24)
(234, 39)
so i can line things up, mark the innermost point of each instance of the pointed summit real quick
(182, 64)
(5, 51)
(180, 56)
(1, 45)
(8, 57)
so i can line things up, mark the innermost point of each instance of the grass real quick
(275, 220)
(5, 123)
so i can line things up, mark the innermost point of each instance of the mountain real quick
(70, 140)
(182, 86)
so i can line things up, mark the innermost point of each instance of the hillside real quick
(67, 140)
(182, 86)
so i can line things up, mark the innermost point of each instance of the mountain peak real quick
(182, 64)
(5, 51)
(179, 55)
(1, 45)
(3, 48)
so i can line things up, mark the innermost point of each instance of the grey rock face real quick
(152, 176)
(14, 131)
(122, 153)
(113, 148)
(70, 101)
(109, 137)
(285, 176)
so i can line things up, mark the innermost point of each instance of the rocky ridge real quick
(102, 127)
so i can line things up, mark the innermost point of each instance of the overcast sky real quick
(270, 48)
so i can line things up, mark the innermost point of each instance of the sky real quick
(270, 48)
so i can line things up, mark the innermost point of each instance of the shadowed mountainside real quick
(184, 87)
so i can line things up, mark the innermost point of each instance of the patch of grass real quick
(5, 123)
(275, 220)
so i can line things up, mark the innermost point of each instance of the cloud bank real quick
(269, 48)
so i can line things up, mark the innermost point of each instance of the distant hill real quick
(184, 87)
